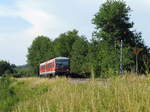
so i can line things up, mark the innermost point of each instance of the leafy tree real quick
(79, 56)
(41, 50)
(144, 60)
(112, 25)
(6, 67)
(63, 44)
(112, 22)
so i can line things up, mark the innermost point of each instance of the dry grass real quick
(121, 94)
(35, 82)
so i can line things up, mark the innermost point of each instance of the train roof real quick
(57, 58)
(61, 58)
(42, 63)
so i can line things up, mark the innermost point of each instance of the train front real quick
(62, 66)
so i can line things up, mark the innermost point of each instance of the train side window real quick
(52, 64)
(42, 67)
(49, 65)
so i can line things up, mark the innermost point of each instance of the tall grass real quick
(7, 94)
(119, 94)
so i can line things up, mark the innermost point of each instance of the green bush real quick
(7, 94)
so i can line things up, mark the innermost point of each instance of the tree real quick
(112, 25)
(63, 44)
(146, 61)
(79, 56)
(112, 22)
(41, 50)
(74, 46)
(6, 67)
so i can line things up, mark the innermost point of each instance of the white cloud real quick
(43, 23)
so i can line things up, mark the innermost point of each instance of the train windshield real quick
(62, 63)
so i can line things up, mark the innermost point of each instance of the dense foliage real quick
(79, 56)
(8, 96)
(6, 68)
(113, 25)
(63, 44)
(68, 44)
(40, 51)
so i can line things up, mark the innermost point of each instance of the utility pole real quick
(121, 57)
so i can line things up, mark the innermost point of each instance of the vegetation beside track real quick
(125, 94)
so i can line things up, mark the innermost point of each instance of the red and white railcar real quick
(59, 66)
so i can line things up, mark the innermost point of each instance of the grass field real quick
(119, 94)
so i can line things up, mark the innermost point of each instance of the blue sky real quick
(23, 20)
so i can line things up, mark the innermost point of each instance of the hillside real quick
(120, 94)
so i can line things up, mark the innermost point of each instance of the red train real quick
(56, 66)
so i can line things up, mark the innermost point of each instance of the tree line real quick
(99, 56)
(68, 44)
